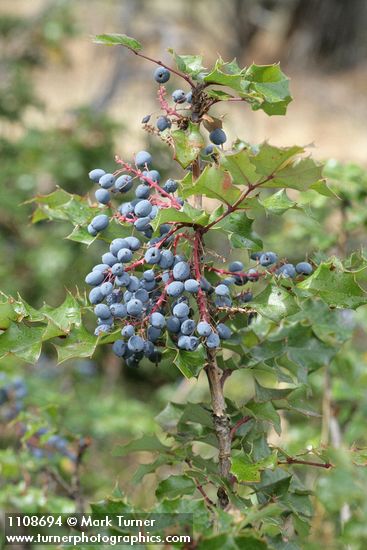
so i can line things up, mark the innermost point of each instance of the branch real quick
(291, 460)
(161, 64)
(239, 423)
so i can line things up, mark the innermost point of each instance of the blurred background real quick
(67, 106)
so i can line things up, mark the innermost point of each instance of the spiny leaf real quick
(335, 286)
(188, 64)
(246, 471)
(114, 39)
(190, 363)
(187, 144)
(175, 486)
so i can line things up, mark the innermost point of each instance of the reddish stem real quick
(203, 308)
(291, 460)
(239, 423)
(162, 92)
(161, 64)
(128, 168)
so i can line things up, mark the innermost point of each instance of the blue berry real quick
(221, 290)
(235, 266)
(96, 174)
(192, 285)
(152, 255)
(118, 310)
(161, 75)
(107, 181)
(213, 341)
(124, 183)
(95, 295)
(189, 97)
(209, 149)
(102, 311)
(117, 269)
(109, 259)
(136, 343)
(224, 332)
(102, 196)
(143, 158)
(149, 275)
(128, 331)
(119, 348)
(153, 333)
(170, 186)
(175, 289)
(304, 268)
(145, 119)
(106, 288)
(100, 222)
(163, 123)
(181, 310)
(287, 270)
(218, 136)
(188, 327)
(142, 224)
(204, 329)
(133, 243)
(268, 258)
(154, 175)
(142, 191)
(157, 320)
(124, 255)
(143, 208)
(181, 271)
(94, 278)
(173, 324)
(179, 96)
(92, 231)
(134, 307)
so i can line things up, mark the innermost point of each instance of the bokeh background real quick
(67, 106)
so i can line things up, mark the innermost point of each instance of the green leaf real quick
(187, 144)
(239, 228)
(188, 64)
(266, 412)
(226, 541)
(147, 442)
(145, 469)
(278, 203)
(300, 175)
(270, 87)
(275, 302)
(23, 341)
(79, 343)
(249, 472)
(225, 74)
(190, 363)
(214, 183)
(114, 39)
(66, 315)
(335, 286)
(175, 486)
(170, 416)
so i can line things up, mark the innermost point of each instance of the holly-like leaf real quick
(214, 183)
(79, 343)
(335, 286)
(114, 39)
(278, 203)
(246, 471)
(66, 315)
(271, 87)
(188, 64)
(187, 144)
(239, 228)
(275, 302)
(175, 486)
(190, 363)
(23, 341)
(225, 74)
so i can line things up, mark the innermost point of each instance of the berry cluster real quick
(143, 285)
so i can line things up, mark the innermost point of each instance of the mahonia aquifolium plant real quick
(161, 294)
(146, 284)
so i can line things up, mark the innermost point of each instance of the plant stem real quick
(157, 62)
(221, 423)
